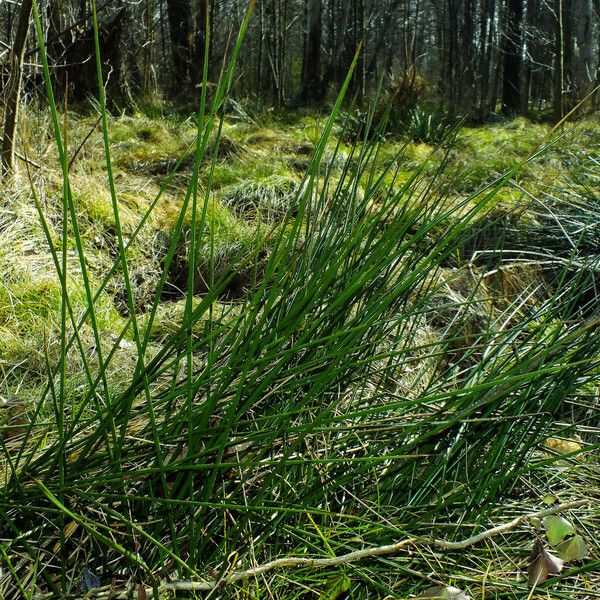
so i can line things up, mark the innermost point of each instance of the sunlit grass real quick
(289, 345)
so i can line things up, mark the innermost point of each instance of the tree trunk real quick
(495, 59)
(453, 63)
(275, 54)
(147, 52)
(383, 37)
(336, 70)
(583, 24)
(511, 85)
(488, 10)
(202, 13)
(13, 94)
(180, 30)
(55, 46)
(559, 64)
(310, 86)
(260, 59)
(466, 56)
(596, 97)
(361, 63)
(281, 49)
(531, 47)
(570, 46)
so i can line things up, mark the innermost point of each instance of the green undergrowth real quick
(228, 339)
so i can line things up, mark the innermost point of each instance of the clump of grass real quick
(430, 126)
(31, 292)
(139, 141)
(324, 412)
(268, 199)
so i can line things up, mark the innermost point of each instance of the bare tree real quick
(512, 47)
(583, 24)
(202, 16)
(13, 94)
(310, 84)
(464, 55)
(180, 30)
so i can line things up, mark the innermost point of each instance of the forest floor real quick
(259, 167)
(256, 173)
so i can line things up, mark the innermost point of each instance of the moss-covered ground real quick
(259, 167)
(256, 172)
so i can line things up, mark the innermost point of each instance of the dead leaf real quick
(562, 446)
(68, 532)
(549, 499)
(445, 593)
(542, 564)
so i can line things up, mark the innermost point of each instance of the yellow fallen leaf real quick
(69, 531)
(562, 446)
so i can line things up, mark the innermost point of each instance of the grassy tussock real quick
(309, 346)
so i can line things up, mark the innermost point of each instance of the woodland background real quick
(319, 322)
(470, 57)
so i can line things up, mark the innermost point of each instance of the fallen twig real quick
(350, 557)
(25, 159)
(85, 139)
